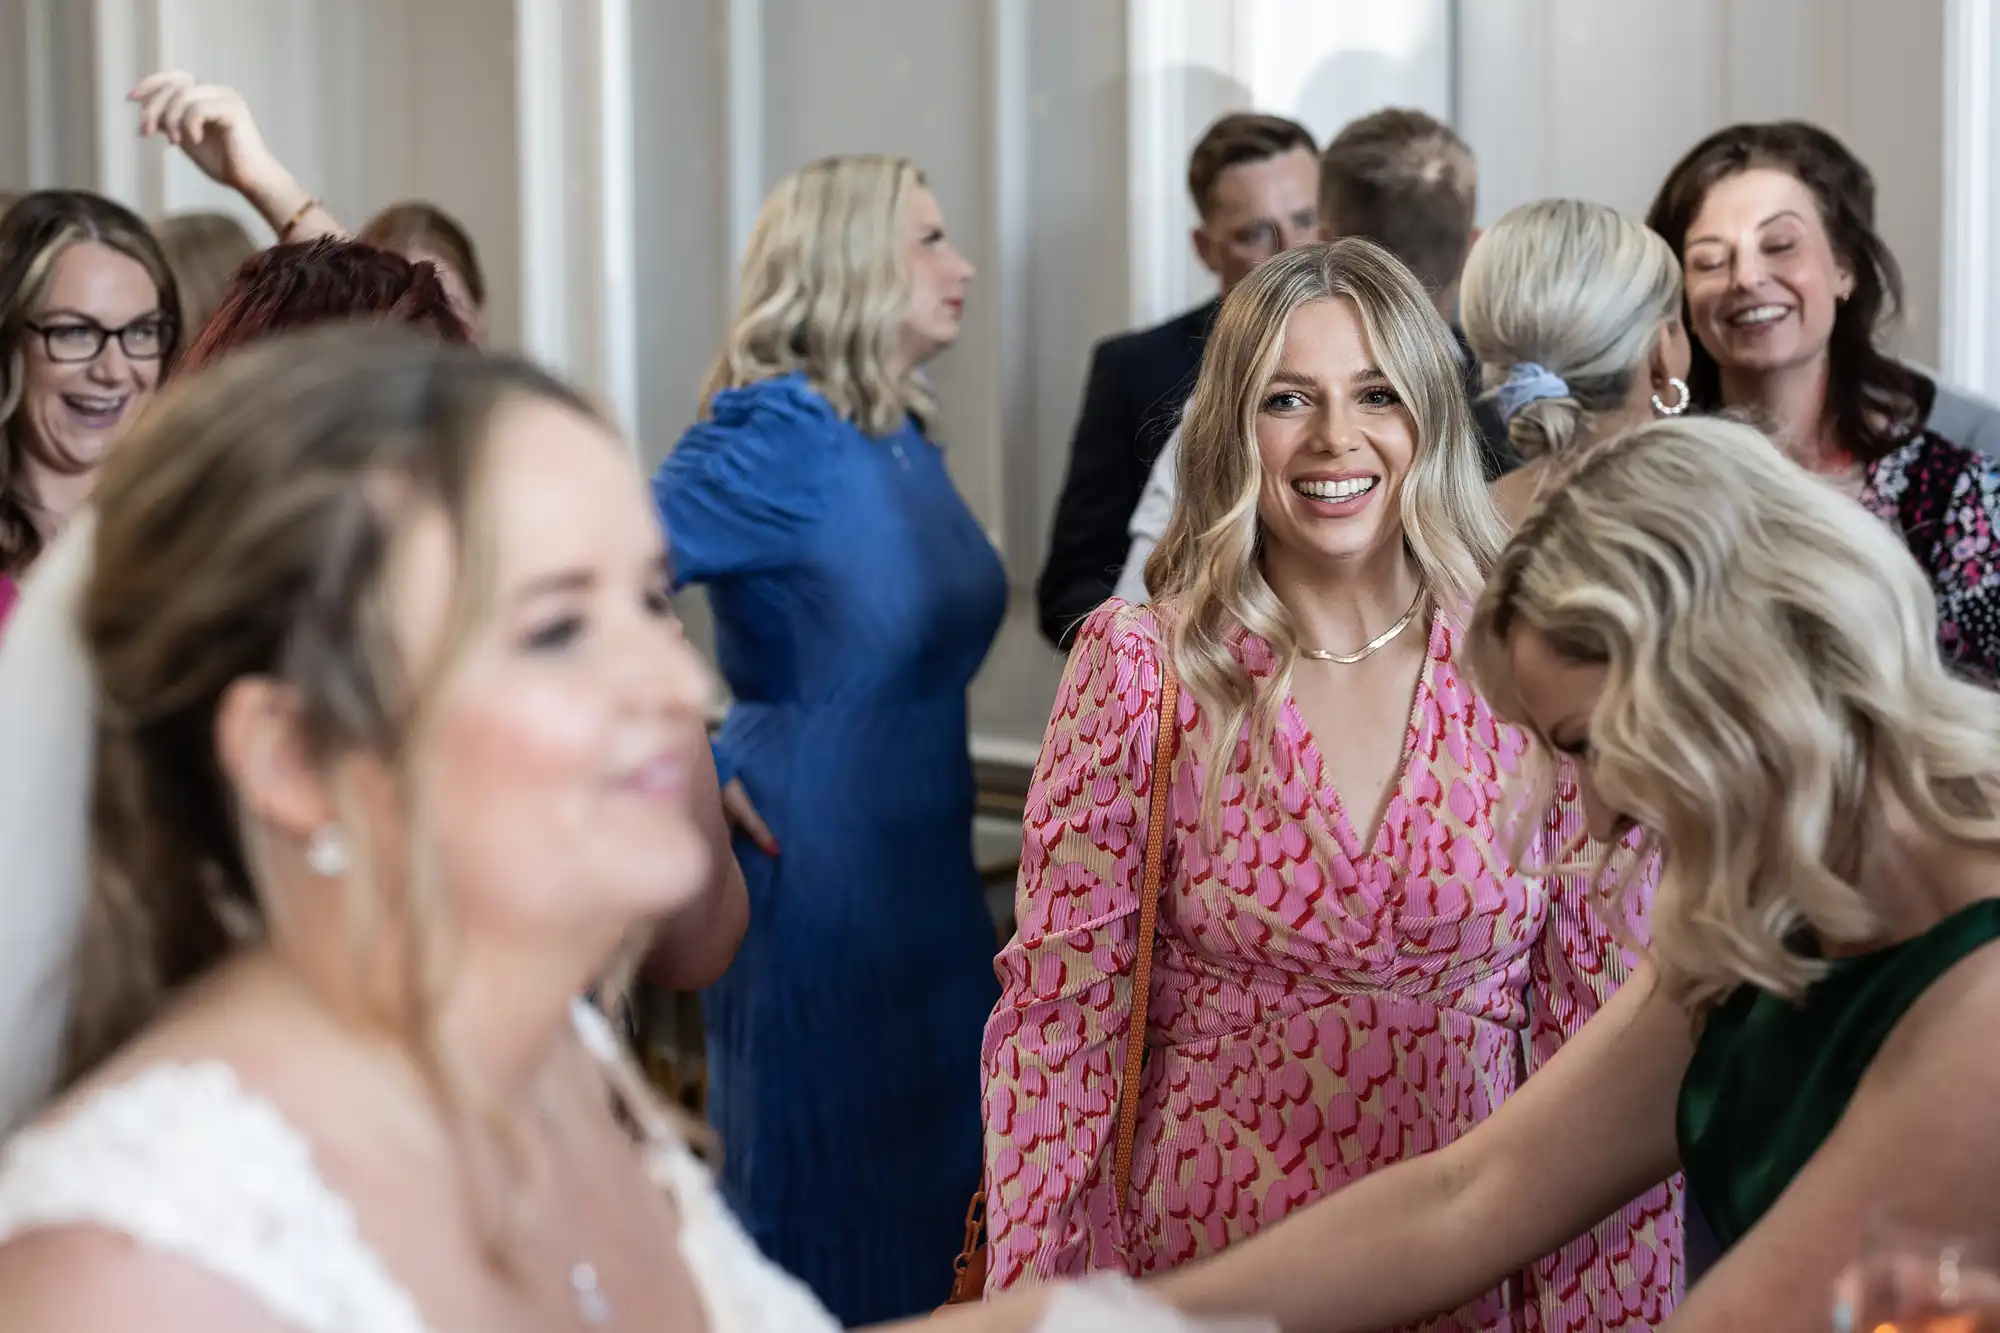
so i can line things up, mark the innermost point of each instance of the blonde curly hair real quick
(824, 291)
(1773, 694)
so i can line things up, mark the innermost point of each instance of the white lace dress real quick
(187, 1161)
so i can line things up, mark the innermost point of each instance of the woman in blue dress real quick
(854, 597)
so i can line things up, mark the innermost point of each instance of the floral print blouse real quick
(1945, 500)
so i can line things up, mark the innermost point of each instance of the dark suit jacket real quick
(1138, 384)
(1131, 403)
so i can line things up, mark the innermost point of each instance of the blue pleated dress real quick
(854, 596)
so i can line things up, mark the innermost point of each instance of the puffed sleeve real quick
(1628, 1273)
(741, 490)
(1054, 1046)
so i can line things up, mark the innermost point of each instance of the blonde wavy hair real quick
(1574, 287)
(1207, 565)
(824, 292)
(1774, 694)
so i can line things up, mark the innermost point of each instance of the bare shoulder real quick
(86, 1280)
(1915, 1144)
(1923, 1109)
(1948, 1031)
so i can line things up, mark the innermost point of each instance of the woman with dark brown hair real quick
(1789, 288)
(90, 306)
(87, 332)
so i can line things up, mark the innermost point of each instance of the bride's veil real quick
(48, 708)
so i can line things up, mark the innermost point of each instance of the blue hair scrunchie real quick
(1527, 383)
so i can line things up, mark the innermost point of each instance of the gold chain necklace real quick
(1374, 645)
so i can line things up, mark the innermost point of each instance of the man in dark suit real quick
(1255, 182)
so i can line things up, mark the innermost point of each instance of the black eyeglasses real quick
(73, 341)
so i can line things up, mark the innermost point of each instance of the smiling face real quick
(77, 399)
(939, 279)
(1335, 441)
(1559, 696)
(1763, 280)
(1258, 210)
(563, 740)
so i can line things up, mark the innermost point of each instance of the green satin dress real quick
(1770, 1079)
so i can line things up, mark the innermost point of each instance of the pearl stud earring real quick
(326, 852)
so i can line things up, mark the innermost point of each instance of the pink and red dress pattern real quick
(1322, 1006)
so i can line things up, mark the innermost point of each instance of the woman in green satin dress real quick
(1738, 660)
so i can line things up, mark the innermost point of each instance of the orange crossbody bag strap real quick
(969, 1273)
(1169, 734)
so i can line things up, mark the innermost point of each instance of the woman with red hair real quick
(318, 282)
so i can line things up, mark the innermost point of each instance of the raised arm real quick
(1587, 1133)
(213, 126)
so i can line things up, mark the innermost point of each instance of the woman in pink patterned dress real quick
(1348, 971)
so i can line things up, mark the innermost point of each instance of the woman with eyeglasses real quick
(88, 310)
(87, 331)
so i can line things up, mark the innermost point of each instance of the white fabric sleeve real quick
(1149, 521)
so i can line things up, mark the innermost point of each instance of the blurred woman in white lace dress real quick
(397, 746)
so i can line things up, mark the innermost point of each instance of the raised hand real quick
(213, 126)
(210, 123)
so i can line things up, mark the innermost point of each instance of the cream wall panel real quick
(1054, 131)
